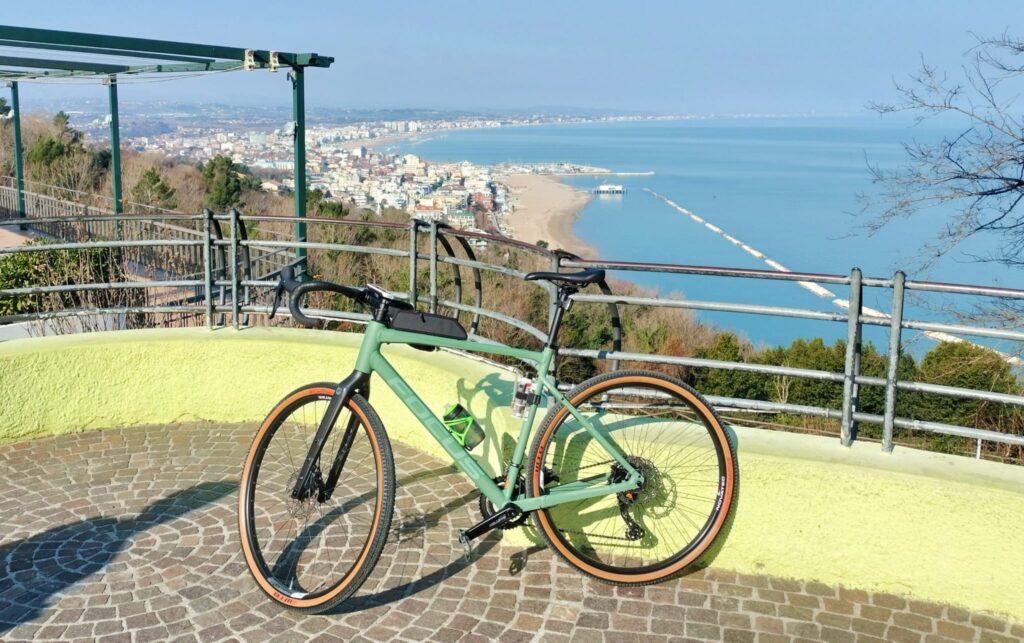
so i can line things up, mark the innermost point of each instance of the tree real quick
(151, 189)
(318, 205)
(44, 156)
(4, 108)
(64, 130)
(978, 171)
(813, 354)
(739, 384)
(968, 366)
(223, 184)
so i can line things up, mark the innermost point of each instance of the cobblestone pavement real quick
(131, 534)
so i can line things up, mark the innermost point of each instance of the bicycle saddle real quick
(574, 278)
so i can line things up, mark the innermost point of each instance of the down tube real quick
(458, 454)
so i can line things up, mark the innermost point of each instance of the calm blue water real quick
(787, 187)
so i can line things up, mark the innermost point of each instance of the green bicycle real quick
(630, 477)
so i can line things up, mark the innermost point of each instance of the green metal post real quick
(19, 168)
(299, 114)
(848, 426)
(115, 151)
(414, 229)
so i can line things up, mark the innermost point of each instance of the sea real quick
(766, 191)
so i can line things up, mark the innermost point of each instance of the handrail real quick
(238, 279)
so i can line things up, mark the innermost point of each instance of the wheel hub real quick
(650, 482)
(304, 507)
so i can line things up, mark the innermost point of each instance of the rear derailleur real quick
(626, 499)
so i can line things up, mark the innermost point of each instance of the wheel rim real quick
(308, 551)
(673, 442)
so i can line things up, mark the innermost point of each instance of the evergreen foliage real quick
(152, 190)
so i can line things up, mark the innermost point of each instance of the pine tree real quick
(223, 184)
(151, 189)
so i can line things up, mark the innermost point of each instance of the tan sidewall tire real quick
(383, 511)
(554, 418)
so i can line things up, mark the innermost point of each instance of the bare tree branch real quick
(971, 183)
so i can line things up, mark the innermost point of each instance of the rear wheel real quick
(315, 553)
(673, 438)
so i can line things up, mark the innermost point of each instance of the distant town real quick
(350, 162)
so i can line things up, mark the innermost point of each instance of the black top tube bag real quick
(415, 321)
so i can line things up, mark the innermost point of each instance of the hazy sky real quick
(724, 57)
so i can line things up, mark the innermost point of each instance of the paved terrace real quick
(130, 533)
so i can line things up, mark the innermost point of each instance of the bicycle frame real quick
(370, 360)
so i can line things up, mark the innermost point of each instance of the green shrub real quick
(62, 267)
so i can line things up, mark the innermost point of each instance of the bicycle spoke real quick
(669, 441)
(309, 546)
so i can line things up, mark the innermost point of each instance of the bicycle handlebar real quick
(297, 290)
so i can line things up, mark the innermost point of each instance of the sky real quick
(724, 57)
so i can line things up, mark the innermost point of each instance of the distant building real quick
(461, 219)
(274, 187)
(427, 213)
(482, 201)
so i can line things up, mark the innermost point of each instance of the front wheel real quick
(670, 435)
(313, 554)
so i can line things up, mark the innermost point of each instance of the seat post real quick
(562, 305)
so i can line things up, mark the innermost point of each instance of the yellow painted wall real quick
(931, 526)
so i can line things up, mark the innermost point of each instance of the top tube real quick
(377, 334)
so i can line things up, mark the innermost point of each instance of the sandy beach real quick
(546, 211)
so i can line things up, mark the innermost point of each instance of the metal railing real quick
(228, 271)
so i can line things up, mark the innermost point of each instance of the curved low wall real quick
(934, 527)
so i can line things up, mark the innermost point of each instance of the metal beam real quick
(109, 44)
(64, 65)
(181, 68)
(105, 52)
(299, 163)
(219, 65)
(892, 372)
(115, 151)
(848, 426)
(19, 167)
(43, 73)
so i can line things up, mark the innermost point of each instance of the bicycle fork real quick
(306, 482)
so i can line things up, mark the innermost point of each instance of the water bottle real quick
(524, 390)
(463, 427)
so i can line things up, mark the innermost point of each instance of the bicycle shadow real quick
(492, 395)
(417, 526)
(35, 569)
(405, 529)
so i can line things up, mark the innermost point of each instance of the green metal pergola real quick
(145, 56)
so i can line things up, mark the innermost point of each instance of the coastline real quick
(378, 141)
(546, 210)
(546, 207)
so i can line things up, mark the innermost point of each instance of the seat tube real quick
(516, 465)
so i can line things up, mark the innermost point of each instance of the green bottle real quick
(463, 427)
